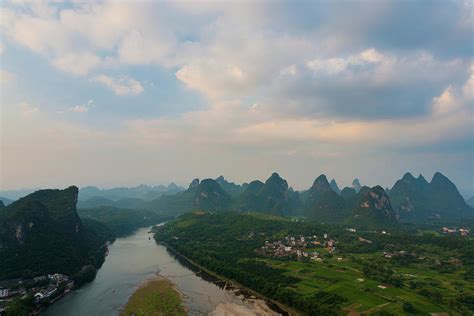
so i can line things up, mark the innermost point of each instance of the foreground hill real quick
(321, 269)
(42, 233)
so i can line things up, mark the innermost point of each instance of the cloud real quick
(77, 63)
(364, 86)
(448, 119)
(82, 108)
(28, 110)
(327, 82)
(122, 85)
(6, 77)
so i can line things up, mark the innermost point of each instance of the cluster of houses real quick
(41, 287)
(453, 231)
(299, 248)
(55, 280)
(394, 254)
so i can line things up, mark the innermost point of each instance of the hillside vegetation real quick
(392, 271)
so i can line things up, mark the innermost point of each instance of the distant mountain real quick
(5, 201)
(230, 187)
(273, 197)
(334, 186)
(143, 192)
(410, 197)
(417, 200)
(175, 204)
(248, 199)
(470, 201)
(126, 203)
(211, 197)
(194, 184)
(356, 185)
(200, 195)
(42, 233)
(95, 201)
(14, 195)
(372, 208)
(121, 222)
(446, 201)
(347, 193)
(322, 203)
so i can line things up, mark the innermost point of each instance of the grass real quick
(157, 297)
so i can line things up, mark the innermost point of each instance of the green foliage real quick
(409, 308)
(20, 306)
(224, 243)
(85, 275)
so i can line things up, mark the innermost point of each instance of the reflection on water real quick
(131, 261)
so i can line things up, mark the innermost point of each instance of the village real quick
(299, 248)
(44, 289)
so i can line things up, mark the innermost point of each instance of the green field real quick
(157, 297)
(344, 278)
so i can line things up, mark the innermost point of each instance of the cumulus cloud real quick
(77, 64)
(121, 85)
(367, 85)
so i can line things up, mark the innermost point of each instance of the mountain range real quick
(142, 191)
(410, 199)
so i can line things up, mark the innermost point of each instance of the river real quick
(131, 261)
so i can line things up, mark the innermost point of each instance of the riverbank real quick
(157, 296)
(273, 307)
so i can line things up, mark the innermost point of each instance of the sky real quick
(118, 93)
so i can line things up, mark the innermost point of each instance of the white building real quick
(4, 293)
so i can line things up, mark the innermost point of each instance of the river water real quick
(131, 261)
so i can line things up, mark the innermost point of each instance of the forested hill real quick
(42, 233)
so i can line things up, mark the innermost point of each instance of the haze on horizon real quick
(118, 93)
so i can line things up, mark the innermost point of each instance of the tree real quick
(408, 307)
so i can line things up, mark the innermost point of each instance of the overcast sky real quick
(123, 93)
